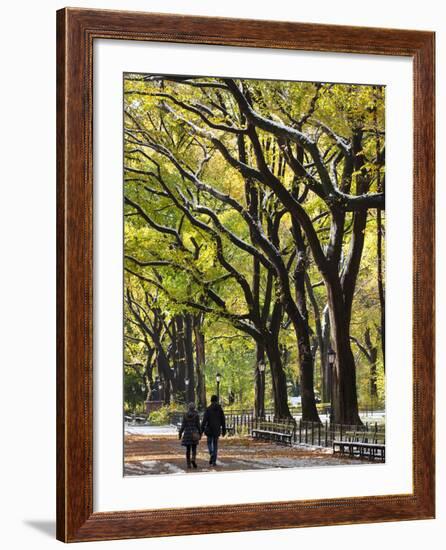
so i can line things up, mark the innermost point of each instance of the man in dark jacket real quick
(213, 425)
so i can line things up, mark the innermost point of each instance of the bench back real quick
(280, 426)
(364, 436)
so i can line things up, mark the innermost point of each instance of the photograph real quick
(229, 256)
(254, 274)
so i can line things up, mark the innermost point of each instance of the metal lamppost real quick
(218, 378)
(331, 360)
(262, 389)
(160, 387)
(186, 383)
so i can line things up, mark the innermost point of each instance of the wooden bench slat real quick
(274, 431)
(371, 450)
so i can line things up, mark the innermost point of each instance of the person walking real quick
(213, 425)
(190, 434)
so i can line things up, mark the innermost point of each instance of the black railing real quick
(322, 434)
(238, 422)
(318, 434)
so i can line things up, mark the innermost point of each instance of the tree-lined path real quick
(162, 454)
(254, 245)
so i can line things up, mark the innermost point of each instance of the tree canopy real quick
(254, 235)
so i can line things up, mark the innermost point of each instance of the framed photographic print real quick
(245, 275)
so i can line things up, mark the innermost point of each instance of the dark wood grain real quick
(76, 31)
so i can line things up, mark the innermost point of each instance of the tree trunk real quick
(306, 374)
(319, 333)
(340, 292)
(189, 350)
(259, 382)
(278, 378)
(373, 357)
(302, 329)
(200, 362)
(373, 386)
(344, 396)
(164, 374)
(173, 353)
(181, 362)
(379, 248)
(163, 366)
(326, 369)
(149, 371)
(381, 292)
(309, 410)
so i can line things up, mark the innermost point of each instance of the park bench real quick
(277, 431)
(362, 444)
(133, 419)
(230, 429)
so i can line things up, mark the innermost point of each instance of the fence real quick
(243, 417)
(240, 423)
(323, 434)
(305, 433)
(237, 422)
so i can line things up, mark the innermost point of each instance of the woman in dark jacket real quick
(190, 434)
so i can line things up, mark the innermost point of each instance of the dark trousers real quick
(213, 447)
(190, 448)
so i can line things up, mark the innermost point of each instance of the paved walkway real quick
(163, 454)
(145, 429)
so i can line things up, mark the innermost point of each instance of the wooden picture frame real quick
(76, 31)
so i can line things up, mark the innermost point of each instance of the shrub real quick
(162, 415)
